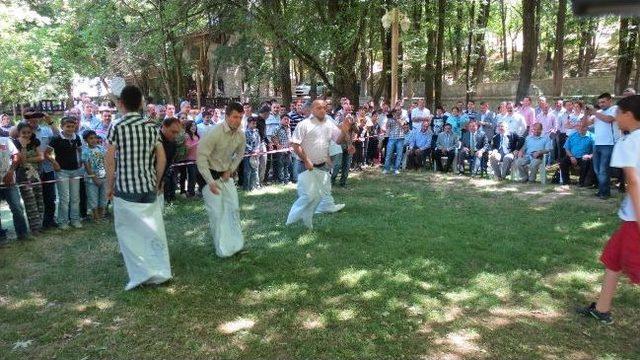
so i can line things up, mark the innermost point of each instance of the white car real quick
(304, 89)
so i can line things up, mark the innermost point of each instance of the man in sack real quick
(310, 142)
(219, 153)
(135, 162)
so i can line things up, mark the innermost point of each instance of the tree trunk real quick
(457, 38)
(429, 69)
(437, 81)
(529, 47)
(483, 20)
(386, 65)
(468, 84)
(503, 22)
(558, 50)
(626, 50)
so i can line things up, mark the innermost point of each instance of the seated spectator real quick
(420, 146)
(504, 147)
(531, 154)
(473, 149)
(579, 149)
(446, 147)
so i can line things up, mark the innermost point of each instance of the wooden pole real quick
(394, 57)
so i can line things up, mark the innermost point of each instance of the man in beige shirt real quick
(219, 153)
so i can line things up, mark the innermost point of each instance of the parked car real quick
(303, 89)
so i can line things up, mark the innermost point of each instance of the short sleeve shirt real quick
(606, 133)
(315, 136)
(95, 158)
(626, 154)
(7, 151)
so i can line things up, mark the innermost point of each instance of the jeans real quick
(141, 198)
(96, 194)
(12, 196)
(68, 196)
(601, 160)
(250, 175)
(341, 164)
(194, 178)
(169, 182)
(282, 167)
(49, 199)
(396, 145)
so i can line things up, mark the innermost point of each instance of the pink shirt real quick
(548, 122)
(192, 147)
(529, 115)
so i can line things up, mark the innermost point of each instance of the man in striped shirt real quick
(135, 162)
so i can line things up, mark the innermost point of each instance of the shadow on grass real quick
(414, 267)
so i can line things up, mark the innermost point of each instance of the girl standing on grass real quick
(622, 252)
(27, 175)
(192, 138)
(93, 159)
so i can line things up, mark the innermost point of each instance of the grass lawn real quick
(420, 266)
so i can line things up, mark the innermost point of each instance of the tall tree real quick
(587, 46)
(558, 50)
(457, 38)
(529, 47)
(503, 22)
(429, 69)
(468, 82)
(626, 50)
(480, 49)
(437, 81)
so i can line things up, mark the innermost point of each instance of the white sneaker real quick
(396, 172)
(384, 172)
(338, 207)
(76, 224)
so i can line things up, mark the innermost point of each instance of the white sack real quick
(143, 241)
(311, 187)
(224, 218)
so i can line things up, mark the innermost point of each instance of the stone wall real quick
(587, 87)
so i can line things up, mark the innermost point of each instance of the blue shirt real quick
(421, 140)
(44, 133)
(455, 123)
(95, 157)
(536, 143)
(580, 145)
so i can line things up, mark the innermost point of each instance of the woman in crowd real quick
(192, 138)
(27, 175)
(181, 154)
(5, 125)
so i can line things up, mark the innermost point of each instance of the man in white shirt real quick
(606, 133)
(419, 115)
(310, 141)
(206, 125)
(9, 157)
(516, 124)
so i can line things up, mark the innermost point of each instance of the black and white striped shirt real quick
(135, 142)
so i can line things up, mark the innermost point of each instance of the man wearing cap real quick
(42, 126)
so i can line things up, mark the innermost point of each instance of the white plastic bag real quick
(311, 187)
(327, 205)
(143, 241)
(224, 218)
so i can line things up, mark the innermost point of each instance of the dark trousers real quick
(585, 167)
(194, 178)
(169, 185)
(83, 198)
(417, 157)
(558, 147)
(49, 199)
(282, 167)
(344, 168)
(372, 150)
(439, 154)
(181, 172)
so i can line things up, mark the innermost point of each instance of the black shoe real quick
(590, 311)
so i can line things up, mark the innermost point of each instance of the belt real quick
(320, 165)
(215, 174)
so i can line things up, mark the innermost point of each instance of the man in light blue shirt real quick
(419, 146)
(579, 150)
(531, 154)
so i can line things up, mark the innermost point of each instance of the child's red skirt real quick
(622, 252)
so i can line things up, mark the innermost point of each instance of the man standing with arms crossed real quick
(135, 162)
